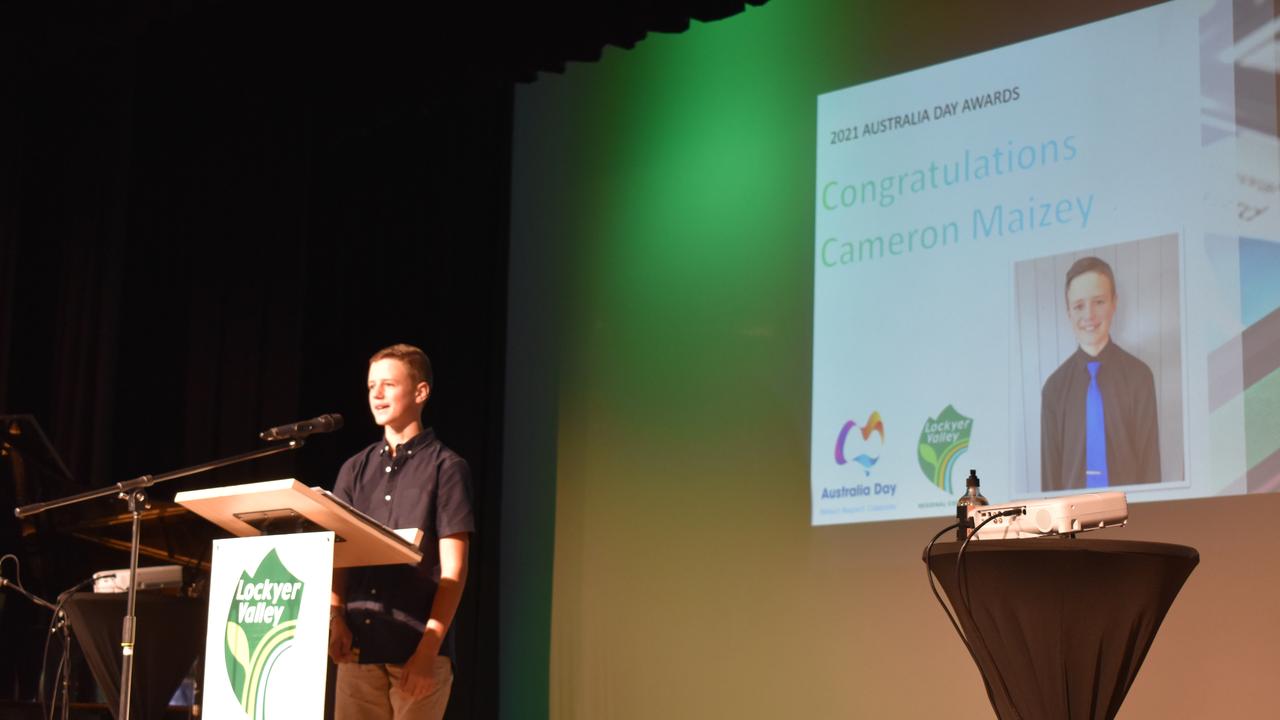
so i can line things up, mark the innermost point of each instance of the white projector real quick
(1052, 516)
(160, 577)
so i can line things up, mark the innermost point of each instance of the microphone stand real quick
(64, 625)
(134, 493)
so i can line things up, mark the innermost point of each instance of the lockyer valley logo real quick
(261, 625)
(942, 440)
(868, 450)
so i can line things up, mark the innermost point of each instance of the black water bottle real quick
(970, 500)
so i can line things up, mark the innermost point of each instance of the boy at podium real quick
(389, 624)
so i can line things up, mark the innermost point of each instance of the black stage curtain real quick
(206, 228)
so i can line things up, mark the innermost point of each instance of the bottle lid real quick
(972, 480)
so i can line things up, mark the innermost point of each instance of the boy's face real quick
(394, 398)
(1091, 303)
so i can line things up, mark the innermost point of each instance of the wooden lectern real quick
(267, 636)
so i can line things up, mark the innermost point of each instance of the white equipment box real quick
(159, 577)
(1052, 516)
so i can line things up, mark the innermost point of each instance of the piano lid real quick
(26, 454)
(32, 471)
(170, 533)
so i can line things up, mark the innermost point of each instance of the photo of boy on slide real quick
(1098, 422)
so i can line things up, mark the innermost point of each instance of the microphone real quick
(294, 431)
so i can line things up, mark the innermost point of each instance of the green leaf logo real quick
(261, 624)
(928, 457)
(942, 440)
(237, 648)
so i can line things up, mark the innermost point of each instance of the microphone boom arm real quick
(145, 481)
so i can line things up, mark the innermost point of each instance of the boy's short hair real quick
(1086, 265)
(417, 361)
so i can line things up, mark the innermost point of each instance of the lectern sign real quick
(268, 600)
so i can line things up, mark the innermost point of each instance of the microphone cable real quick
(933, 587)
(962, 589)
(47, 709)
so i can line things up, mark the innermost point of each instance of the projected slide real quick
(1055, 263)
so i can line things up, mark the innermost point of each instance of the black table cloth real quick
(1059, 627)
(170, 635)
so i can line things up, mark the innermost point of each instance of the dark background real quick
(212, 214)
(209, 219)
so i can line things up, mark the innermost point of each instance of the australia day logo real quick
(261, 625)
(865, 451)
(942, 440)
